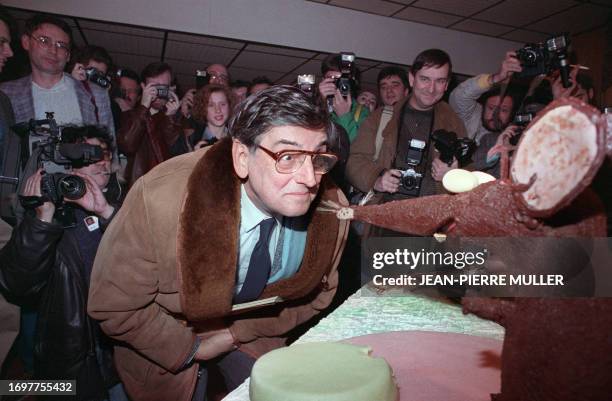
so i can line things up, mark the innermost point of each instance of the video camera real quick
(57, 155)
(544, 57)
(449, 146)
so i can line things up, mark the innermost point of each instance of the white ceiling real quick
(516, 20)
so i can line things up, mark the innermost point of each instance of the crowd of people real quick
(149, 262)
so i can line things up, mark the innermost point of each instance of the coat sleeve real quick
(124, 288)
(132, 129)
(29, 256)
(464, 101)
(361, 170)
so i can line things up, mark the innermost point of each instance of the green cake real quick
(322, 372)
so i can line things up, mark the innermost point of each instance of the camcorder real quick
(201, 79)
(56, 153)
(450, 147)
(305, 83)
(97, 77)
(545, 57)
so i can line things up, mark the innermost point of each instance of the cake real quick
(322, 372)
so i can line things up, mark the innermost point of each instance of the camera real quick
(97, 77)
(410, 182)
(344, 83)
(306, 83)
(449, 146)
(56, 153)
(163, 91)
(201, 79)
(544, 57)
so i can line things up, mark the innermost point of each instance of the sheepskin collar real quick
(207, 243)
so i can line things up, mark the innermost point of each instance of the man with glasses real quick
(218, 74)
(48, 40)
(218, 254)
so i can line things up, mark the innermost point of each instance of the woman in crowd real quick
(212, 108)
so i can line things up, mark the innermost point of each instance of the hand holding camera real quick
(149, 94)
(509, 65)
(173, 104)
(187, 103)
(32, 188)
(439, 168)
(389, 181)
(93, 200)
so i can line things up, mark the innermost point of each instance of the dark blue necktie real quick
(260, 265)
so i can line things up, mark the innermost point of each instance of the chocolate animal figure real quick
(554, 349)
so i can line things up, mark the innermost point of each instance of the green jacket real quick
(352, 120)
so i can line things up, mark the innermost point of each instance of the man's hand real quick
(173, 104)
(187, 103)
(327, 87)
(32, 188)
(214, 344)
(93, 200)
(439, 168)
(509, 66)
(559, 91)
(342, 105)
(149, 94)
(123, 104)
(388, 182)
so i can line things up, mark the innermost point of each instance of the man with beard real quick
(479, 103)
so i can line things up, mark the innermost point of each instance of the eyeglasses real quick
(220, 77)
(47, 43)
(289, 161)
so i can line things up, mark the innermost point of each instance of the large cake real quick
(322, 372)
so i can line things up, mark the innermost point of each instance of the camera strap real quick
(426, 150)
(93, 100)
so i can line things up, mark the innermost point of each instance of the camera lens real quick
(409, 182)
(72, 187)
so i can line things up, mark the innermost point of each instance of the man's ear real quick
(240, 158)
(411, 79)
(25, 42)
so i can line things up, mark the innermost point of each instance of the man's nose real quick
(8, 52)
(305, 174)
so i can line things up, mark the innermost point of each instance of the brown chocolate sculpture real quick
(554, 349)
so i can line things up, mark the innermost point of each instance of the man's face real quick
(240, 93)
(5, 45)
(47, 58)
(162, 79)
(100, 171)
(583, 94)
(131, 89)
(272, 192)
(505, 112)
(367, 99)
(218, 74)
(392, 90)
(428, 86)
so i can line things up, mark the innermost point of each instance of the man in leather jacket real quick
(51, 263)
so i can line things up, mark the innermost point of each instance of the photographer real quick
(408, 134)
(50, 263)
(148, 131)
(90, 59)
(344, 107)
